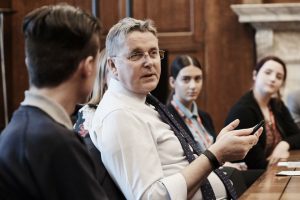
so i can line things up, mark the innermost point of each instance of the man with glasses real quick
(141, 147)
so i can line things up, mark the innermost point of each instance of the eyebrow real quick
(140, 49)
(272, 70)
(280, 74)
(189, 76)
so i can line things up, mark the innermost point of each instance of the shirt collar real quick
(185, 110)
(53, 109)
(118, 87)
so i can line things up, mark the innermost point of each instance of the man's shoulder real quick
(113, 108)
(110, 103)
(113, 99)
(32, 123)
(31, 133)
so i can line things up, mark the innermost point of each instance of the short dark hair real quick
(57, 38)
(181, 62)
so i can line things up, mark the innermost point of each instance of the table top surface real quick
(270, 186)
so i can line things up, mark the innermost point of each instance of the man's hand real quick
(234, 144)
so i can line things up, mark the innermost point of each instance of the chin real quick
(146, 90)
(191, 98)
(271, 91)
(146, 87)
(151, 85)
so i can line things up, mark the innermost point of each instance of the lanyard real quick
(203, 134)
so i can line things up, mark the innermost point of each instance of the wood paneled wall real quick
(207, 29)
(7, 47)
(229, 58)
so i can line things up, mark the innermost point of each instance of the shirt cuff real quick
(176, 186)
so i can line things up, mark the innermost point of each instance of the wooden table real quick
(270, 186)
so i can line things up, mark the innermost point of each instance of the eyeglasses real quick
(153, 54)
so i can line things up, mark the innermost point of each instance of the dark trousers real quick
(242, 180)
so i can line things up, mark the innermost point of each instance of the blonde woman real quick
(86, 113)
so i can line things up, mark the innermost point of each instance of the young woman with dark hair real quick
(264, 102)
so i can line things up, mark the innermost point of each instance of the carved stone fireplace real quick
(277, 33)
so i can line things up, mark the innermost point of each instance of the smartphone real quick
(260, 124)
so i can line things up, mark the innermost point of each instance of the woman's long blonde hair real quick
(100, 85)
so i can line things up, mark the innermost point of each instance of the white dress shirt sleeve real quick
(129, 152)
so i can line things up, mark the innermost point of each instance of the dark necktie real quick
(186, 141)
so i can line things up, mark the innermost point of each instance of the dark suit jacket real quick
(41, 159)
(205, 117)
(249, 113)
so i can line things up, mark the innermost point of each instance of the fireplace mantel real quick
(275, 16)
(277, 33)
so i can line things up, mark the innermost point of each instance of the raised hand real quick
(234, 144)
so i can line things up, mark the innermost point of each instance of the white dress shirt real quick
(141, 152)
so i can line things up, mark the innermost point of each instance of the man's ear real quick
(26, 61)
(172, 82)
(112, 67)
(254, 74)
(87, 66)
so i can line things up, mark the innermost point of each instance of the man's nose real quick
(147, 59)
(146, 56)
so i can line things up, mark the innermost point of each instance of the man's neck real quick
(60, 95)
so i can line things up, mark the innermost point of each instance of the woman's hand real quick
(281, 151)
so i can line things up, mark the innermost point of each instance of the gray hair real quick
(117, 34)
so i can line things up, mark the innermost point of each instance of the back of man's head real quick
(118, 33)
(57, 38)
